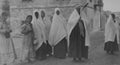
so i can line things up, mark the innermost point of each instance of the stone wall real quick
(17, 15)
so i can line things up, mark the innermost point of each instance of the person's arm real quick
(26, 29)
(2, 30)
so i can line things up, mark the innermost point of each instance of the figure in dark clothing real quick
(77, 45)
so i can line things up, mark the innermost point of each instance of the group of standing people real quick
(60, 38)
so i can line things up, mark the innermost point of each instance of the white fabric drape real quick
(39, 29)
(86, 22)
(73, 21)
(58, 29)
(47, 23)
(111, 29)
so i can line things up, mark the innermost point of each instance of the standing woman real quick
(39, 31)
(47, 24)
(4, 45)
(78, 37)
(111, 35)
(58, 33)
(27, 30)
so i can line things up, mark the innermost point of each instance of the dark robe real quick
(60, 50)
(77, 48)
(48, 48)
(111, 45)
(42, 52)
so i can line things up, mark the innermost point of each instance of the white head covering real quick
(74, 18)
(72, 21)
(111, 29)
(39, 28)
(47, 23)
(58, 29)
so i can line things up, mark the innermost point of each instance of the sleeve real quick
(26, 29)
(1, 29)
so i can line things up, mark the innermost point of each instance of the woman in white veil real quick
(39, 32)
(47, 24)
(111, 35)
(58, 33)
(78, 36)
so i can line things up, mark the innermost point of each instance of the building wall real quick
(18, 15)
(19, 3)
(1, 4)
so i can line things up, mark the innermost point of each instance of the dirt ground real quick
(97, 55)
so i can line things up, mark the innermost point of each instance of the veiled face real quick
(57, 12)
(37, 15)
(42, 14)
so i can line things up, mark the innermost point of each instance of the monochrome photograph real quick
(59, 32)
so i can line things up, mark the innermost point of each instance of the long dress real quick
(60, 49)
(77, 48)
(27, 47)
(82, 40)
(4, 46)
(111, 45)
(78, 37)
(47, 23)
(41, 52)
(58, 34)
(40, 35)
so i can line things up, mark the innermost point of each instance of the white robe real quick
(111, 29)
(47, 23)
(73, 21)
(58, 29)
(39, 29)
